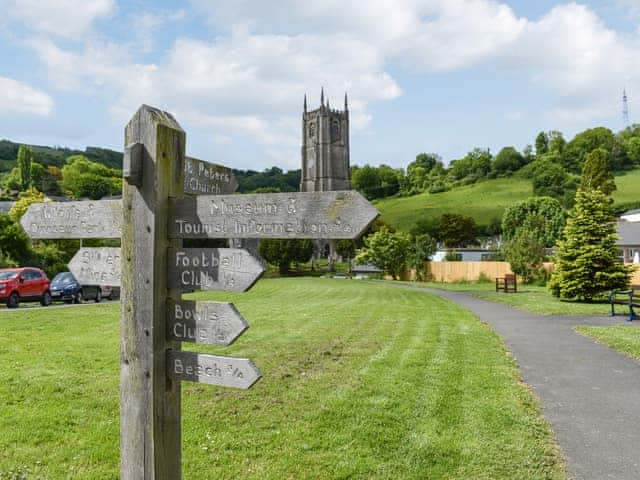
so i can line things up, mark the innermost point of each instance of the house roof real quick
(629, 233)
(631, 212)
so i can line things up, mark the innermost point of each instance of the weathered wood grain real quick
(209, 323)
(97, 266)
(202, 178)
(213, 369)
(326, 215)
(83, 219)
(150, 436)
(231, 269)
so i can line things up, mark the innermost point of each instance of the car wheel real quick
(98, 295)
(13, 301)
(46, 299)
(78, 298)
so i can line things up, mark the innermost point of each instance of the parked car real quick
(24, 285)
(65, 287)
(110, 293)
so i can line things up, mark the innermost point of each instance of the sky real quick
(436, 76)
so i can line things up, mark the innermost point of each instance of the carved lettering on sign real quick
(208, 178)
(85, 219)
(213, 269)
(211, 323)
(97, 266)
(272, 215)
(212, 369)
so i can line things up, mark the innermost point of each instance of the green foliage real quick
(457, 230)
(376, 182)
(22, 204)
(82, 178)
(542, 143)
(269, 178)
(542, 217)
(507, 161)
(424, 246)
(386, 250)
(25, 159)
(525, 253)
(283, 252)
(596, 173)
(14, 243)
(632, 148)
(549, 179)
(51, 257)
(453, 256)
(474, 166)
(587, 258)
(585, 142)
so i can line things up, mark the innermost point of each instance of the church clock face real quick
(312, 130)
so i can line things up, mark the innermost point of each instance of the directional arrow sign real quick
(328, 215)
(207, 178)
(97, 266)
(211, 323)
(86, 219)
(231, 269)
(212, 369)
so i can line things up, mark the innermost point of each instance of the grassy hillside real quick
(416, 388)
(483, 201)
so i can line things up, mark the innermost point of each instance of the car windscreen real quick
(65, 277)
(8, 275)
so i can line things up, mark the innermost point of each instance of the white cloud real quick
(65, 18)
(147, 24)
(16, 97)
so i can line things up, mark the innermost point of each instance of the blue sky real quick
(440, 76)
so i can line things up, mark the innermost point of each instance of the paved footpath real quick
(590, 394)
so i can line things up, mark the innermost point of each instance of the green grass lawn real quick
(531, 298)
(361, 381)
(623, 338)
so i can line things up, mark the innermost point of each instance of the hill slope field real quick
(484, 201)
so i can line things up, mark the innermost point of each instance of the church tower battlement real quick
(325, 148)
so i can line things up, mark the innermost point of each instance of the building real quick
(325, 157)
(629, 240)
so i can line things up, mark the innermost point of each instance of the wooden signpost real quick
(153, 269)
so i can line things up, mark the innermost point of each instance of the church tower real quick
(325, 148)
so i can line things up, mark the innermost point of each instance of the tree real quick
(587, 258)
(542, 217)
(585, 142)
(424, 246)
(83, 178)
(386, 250)
(542, 144)
(283, 252)
(632, 147)
(22, 204)
(366, 180)
(596, 173)
(14, 244)
(525, 253)
(25, 159)
(549, 179)
(457, 230)
(507, 161)
(475, 165)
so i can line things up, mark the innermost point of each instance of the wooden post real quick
(150, 402)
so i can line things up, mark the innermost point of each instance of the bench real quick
(630, 298)
(507, 284)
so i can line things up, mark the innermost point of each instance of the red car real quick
(24, 284)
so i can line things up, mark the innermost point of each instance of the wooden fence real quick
(471, 271)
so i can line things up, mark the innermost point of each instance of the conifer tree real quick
(25, 158)
(587, 259)
(596, 172)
